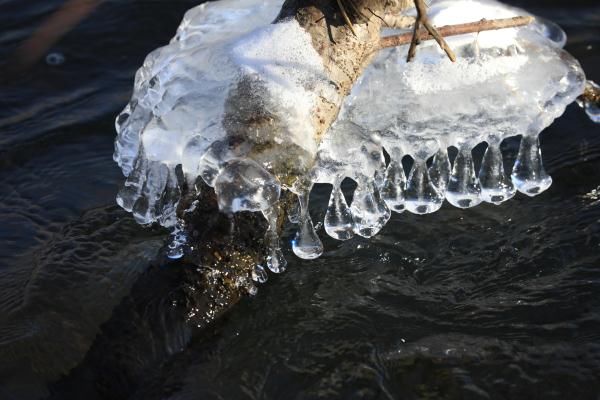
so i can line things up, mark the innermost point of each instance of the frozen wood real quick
(591, 93)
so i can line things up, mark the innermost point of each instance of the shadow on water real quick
(493, 302)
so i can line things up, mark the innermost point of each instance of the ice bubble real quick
(243, 185)
(55, 59)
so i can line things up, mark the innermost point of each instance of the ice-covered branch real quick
(590, 100)
(244, 118)
(454, 30)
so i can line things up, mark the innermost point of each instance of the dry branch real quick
(453, 30)
(423, 19)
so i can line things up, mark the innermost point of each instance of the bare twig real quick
(414, 40)
(379, 17)
(453, 30)
(345, 16)
(423, 19)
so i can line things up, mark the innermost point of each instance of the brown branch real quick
(423, 19)
(414, 39)
(453, 30)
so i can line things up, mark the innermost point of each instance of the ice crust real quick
(177, 114)
(511, 82)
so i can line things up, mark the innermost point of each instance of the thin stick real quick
(453, 30)
(440, 40)
(423, 19)
(345, 16)
(414, 40)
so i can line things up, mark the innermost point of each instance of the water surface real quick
(492, 302)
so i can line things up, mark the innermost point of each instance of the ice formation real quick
(512, 82)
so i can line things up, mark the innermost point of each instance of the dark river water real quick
(492, 302)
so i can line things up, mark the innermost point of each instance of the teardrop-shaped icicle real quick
(132, 188)
(259, 274)
(440, 169)
(338, 218)
(294, 212)
(276, 262)
(464, 190)
(496, 187)
(177, 245)
(369, 211)
(421, 195)
(529, 175)
(306, 244)
(394, 184)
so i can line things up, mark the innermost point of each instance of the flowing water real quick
(498, 302)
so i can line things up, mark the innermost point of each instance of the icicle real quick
(338, 218)
(132, 188)
(259, 274)
(496, 187)
(306, 244)
(440, 169)
(394, 183)
(178, 241)
(591, 106)
(276, 262)
(422, 196)
(166, 206)
(529, 175)
(294, 213)
(369, 211)
(144, 208)
(463, 189)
